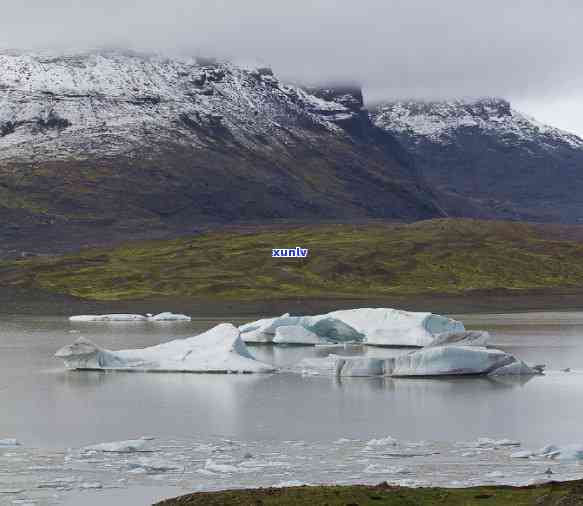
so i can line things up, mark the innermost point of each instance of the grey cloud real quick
(523, 49)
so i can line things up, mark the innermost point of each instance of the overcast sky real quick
(526, 50)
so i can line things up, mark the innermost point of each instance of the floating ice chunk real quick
(10, 442)
(567, 452)
(295, 334)
(448, 360)
(153, 466)
(129, 446)
(378, 469)
(11, 491)
(385, 441)
(377, 326)
(220, 349)
(109, 318)
(435, 361)
(494, 475)
(549, 451)
(465, 338)
(290, 483)
(522, 454)
(164, 317)
(215, 467)
(91, 485)
(394, 327)
(507, 442)
(486, 442)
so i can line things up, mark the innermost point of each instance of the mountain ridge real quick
(511, 165)
(124, 137)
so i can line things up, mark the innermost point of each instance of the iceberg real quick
(218, 350)
(374, 326)
(449, 360)
(85, 318)
(169, 317)
(10, 442)
(394, 327)
(160, 317)
(432, 361)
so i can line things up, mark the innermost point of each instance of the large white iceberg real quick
(433, 361)
(452, 360)
(160, 317)
(394, 327)
(374, 326)
(219, 350)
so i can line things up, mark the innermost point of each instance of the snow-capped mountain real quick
(83, 105)
(121, 136)
(511, 165)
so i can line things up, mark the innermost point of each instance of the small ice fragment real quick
(167, 316)
(152, 466)
(92, 485)
(382, 442)
(130, 446)
(522, 454)
(290, 483)
(378, 469)
(10, 442)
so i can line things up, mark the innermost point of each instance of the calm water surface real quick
(46, 407)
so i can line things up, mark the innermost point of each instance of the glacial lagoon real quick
(215, 431)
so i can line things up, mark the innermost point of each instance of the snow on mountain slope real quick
(116, 136)
(76, 105)
(439, 121)
(508, 163)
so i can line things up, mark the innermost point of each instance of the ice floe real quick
(375, 326)
(109, 318)
(219, 349)
(152, 466)
(169, 317)
(379, 469)
(385, 441)
(129, 446)
(160, 317)
(522, 454)
(8, 443)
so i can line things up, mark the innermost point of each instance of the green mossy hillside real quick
(551, 494)
(447, 256)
